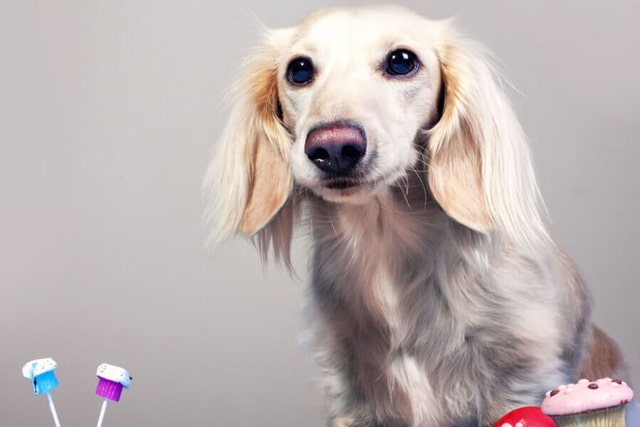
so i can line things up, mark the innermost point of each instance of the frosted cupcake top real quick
(37, 367)
(115, 374)
(586, 395)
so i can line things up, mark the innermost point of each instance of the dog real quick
(438, 297)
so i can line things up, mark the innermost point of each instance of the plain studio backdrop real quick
(108, 114)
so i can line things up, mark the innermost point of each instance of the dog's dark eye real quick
(300, 71)
(402, 62)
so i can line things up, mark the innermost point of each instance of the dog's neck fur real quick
(398, 272)
(400, 238)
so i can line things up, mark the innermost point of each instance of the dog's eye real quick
(402, 62)
(300, 71)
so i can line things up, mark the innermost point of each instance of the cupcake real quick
(41, 374)
(111, 380)
(527, 416)
(588, 403)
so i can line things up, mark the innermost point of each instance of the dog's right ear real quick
(249, 180)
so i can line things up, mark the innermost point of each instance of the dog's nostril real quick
(351, 152)
(319, 155)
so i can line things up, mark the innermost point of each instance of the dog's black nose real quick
(336, 148)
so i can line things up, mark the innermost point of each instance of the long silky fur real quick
(440, 301)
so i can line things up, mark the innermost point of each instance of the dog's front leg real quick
(345, 408)
(345, 405)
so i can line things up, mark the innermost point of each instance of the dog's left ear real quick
(480, 168)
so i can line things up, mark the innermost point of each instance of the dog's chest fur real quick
(411, 320)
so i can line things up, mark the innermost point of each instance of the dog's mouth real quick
(342, 184)
(358, 186)
(345, 190)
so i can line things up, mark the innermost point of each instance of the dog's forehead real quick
(377, 27)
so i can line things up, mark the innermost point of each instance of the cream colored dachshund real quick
(438, 297)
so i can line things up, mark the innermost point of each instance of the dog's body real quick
(429, 324)
(439, 299)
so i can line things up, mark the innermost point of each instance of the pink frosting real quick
(586, 395)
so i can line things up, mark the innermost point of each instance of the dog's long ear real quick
(480, 168)
(249, 182)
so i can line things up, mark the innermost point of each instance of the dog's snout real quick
(336, 148)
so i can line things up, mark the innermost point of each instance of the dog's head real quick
(347, 102)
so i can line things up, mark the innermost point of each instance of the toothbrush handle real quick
(53, 410)
(102, 411)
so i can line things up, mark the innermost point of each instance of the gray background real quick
(108, 112)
